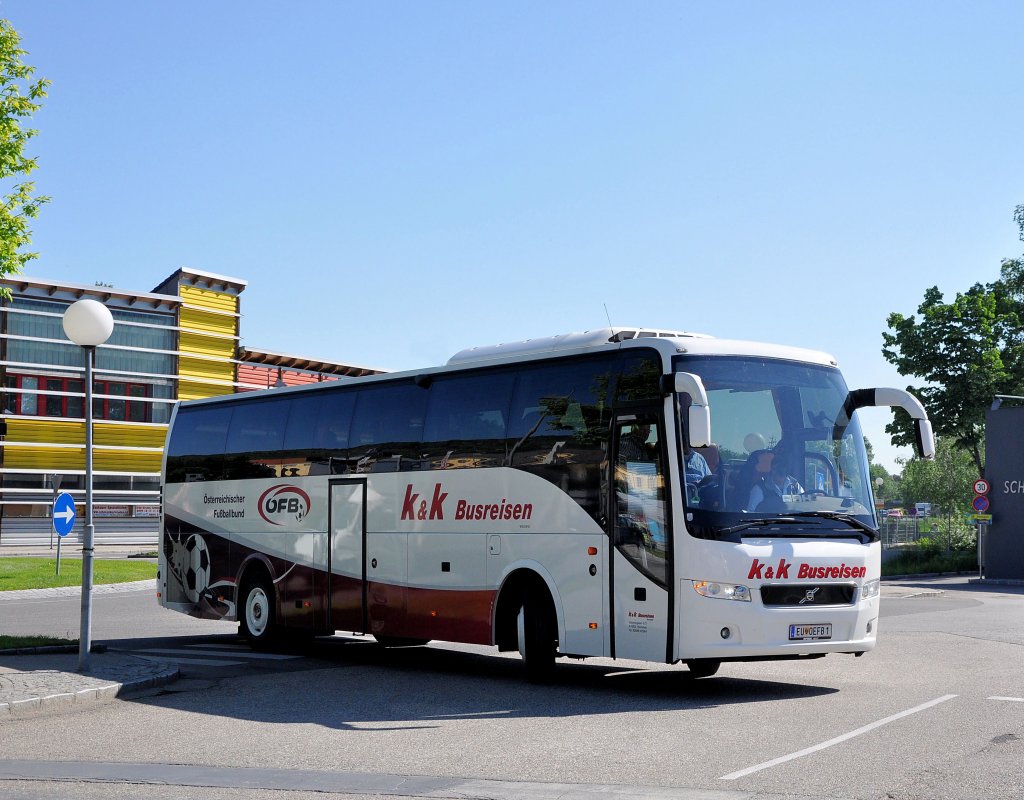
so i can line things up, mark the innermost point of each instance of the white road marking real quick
(222, 653)
(839, 739)
(203, 662)
(1009, 699)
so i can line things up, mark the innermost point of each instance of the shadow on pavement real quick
(348, 684)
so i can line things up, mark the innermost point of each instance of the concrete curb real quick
(49, 649)
(29, 693)
(76, 591)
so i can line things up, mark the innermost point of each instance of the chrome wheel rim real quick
(257, 606)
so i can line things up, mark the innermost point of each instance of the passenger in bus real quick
(633, 446)
(767, 494)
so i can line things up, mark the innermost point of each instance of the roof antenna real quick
(615, 335)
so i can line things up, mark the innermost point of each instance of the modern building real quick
(999, 498)
(181, 341)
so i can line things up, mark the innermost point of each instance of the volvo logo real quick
(809, 595)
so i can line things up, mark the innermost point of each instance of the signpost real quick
(63, 519)
(981, 506)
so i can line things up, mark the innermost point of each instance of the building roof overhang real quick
(62, 290)
(265, 358)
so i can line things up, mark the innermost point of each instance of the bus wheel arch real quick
(526, 619)
(256, 603)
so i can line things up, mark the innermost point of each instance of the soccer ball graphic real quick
(196, 567)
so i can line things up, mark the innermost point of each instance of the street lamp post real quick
(88, 324)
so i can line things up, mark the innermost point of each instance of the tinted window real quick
(201, 430)
(639, 378)
(466, 423)
(254, 439)
(195, 451)
(640, 523)
(258, 427)
(558, 426)
(303, 419)
(387, 427)
(330, 415)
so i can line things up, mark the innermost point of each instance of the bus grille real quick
(809, 595)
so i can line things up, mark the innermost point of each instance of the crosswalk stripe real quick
(230, 654)
(203, 662)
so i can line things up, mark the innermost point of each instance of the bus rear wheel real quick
(538, 640)
(257, 620)
(703, 667)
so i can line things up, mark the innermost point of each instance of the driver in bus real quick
(696, 466)
(767, 494)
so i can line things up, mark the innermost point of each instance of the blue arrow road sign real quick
(63, 514)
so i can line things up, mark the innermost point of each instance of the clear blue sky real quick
(397, 181)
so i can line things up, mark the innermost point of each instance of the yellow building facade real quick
(178, 341)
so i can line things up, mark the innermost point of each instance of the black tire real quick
(538, 639)
(703, 667)
(257, 612)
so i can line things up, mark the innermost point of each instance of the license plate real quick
(800, 633)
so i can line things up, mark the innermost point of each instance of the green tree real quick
(945, 481)
(967, 351)
(887, 489)
(20, 97)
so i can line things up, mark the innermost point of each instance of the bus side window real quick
(255, 438)
(639, 377)
(558, 427)
(466, 421)
(196, 448)
(332, 418)
(387, 427)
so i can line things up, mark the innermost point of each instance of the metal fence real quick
(35, 531)
(899, 532)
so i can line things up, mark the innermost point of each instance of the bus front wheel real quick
(538, 640)
(258, 617)
(703, 667)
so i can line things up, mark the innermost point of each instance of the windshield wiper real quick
(757, 523)
(847, 518)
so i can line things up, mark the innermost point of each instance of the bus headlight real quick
(869, 589)
(722, 591)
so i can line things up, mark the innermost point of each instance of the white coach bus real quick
(631, 494)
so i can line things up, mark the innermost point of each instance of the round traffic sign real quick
(981, 486)
(63, 514)
(980, 504)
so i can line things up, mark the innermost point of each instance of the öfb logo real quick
(283, 503)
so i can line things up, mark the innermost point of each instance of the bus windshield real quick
(785, 460)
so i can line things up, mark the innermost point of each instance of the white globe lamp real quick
(88, 323)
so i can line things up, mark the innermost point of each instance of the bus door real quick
(641, 537)
(346, 560)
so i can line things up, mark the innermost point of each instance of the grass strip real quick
(41, 573)
(17, 642)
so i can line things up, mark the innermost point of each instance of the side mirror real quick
(698, 418)
(896, 398)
